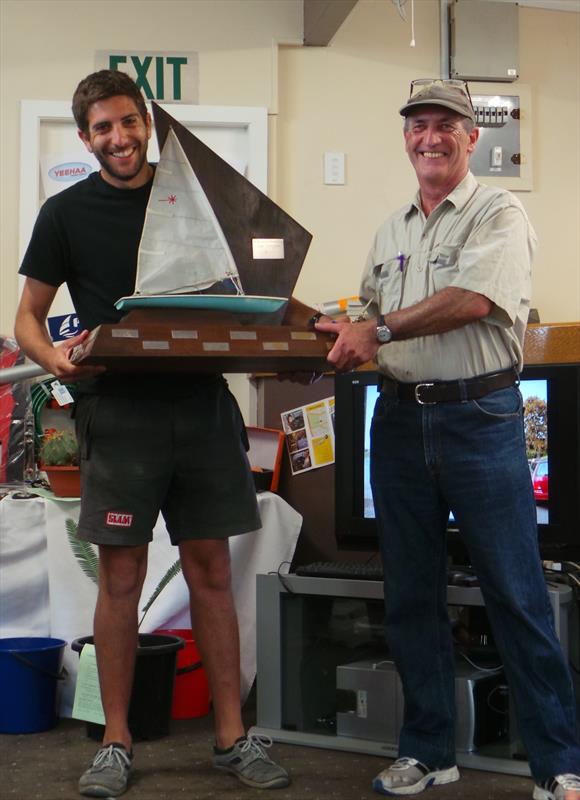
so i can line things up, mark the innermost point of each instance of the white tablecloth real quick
(44, 592)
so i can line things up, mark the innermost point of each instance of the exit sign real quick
(166, 77)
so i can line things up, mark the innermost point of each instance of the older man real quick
(449, 277)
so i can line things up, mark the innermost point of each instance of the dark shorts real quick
(185, 457)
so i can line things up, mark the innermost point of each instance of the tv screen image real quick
(551, 398)
(535, 401)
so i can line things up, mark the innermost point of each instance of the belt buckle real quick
(418, 399)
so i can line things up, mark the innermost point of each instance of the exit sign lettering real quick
(166, 77)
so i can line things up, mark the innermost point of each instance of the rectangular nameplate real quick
(155, 345)
(243, 335)
(267, 248)
(124, 333)
(275, 345)
(303, 336)
(222, 347)
(184, 334)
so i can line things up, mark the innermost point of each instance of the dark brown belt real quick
(430, 392)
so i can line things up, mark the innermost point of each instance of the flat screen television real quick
(552, 405)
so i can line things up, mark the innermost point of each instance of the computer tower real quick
(372, 704)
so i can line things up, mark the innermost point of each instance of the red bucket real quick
(191, 696)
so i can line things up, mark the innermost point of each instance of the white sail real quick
(183, 248)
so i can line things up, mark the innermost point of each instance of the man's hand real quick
(59, 362)
(308, 378)
(356, 343)
(33, 338)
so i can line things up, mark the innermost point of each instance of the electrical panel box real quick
(483, 41)
(498, 150)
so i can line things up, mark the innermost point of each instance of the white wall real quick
(47, 46)
(343, 97)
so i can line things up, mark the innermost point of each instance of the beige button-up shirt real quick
(479, 238)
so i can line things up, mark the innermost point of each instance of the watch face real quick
(384, 333)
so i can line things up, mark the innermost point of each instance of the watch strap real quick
(314, 319)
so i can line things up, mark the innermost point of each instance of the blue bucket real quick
(30, 668)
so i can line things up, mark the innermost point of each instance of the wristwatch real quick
(384, 333)
(314, 319)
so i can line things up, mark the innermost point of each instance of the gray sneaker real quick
(407, 776)
(109, 773)
(248, 761)
(562, 787)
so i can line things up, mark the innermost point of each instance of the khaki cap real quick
(450, 94)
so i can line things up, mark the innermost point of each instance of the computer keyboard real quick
(350, 570)
(363, 571)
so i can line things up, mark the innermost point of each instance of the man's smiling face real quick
(438, 146)
(118, 137)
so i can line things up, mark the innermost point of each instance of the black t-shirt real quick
(88, 237)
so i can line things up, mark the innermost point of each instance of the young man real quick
(175, 444)
(449, 277)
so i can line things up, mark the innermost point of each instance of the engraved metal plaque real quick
(184, 334)
(124, 333)
(275, 345)
(216, 347)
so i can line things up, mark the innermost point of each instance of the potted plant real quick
(59, 458)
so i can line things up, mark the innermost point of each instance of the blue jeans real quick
(468, 457)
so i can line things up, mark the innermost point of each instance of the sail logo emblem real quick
(70, 326)
(70, 171)
(63, 327)
(171, 199)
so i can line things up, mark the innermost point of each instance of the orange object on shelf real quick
(265, 455)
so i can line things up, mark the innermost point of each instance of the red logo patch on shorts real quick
(119, 520)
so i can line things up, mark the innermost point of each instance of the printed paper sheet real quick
(309, 434)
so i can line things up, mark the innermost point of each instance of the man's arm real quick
(32, 335)
(444, 311)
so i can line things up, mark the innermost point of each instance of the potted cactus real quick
(59, 458)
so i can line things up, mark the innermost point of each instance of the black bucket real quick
(152, 694)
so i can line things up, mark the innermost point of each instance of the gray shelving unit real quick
(283, 712)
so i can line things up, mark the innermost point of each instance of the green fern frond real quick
(173, 570)
(83, 552)
(89, 562)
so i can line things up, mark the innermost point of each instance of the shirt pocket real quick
(389, 283)
(444, 265)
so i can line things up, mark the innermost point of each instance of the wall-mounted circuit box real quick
(483, 40)
(498, 151)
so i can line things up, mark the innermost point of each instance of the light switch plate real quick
(334, 168)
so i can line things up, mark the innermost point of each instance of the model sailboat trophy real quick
(217, 264)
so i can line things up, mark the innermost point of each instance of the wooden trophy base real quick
(180, 340)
